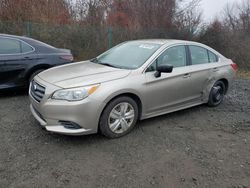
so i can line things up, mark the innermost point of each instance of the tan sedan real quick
(132, 81)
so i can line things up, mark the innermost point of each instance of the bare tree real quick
(54, 11)
(231, 34)
(189, 23)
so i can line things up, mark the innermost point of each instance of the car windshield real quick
(129, 55)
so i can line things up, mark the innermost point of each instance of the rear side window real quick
(26, 48)
(212, 57)
(199, 55)
(9, 46)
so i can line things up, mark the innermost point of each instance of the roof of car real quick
(14, 36)
(31, 41)
(163, 41)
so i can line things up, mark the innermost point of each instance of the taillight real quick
(67, 57)
(234, 66)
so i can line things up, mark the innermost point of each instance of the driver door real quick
(171, 90)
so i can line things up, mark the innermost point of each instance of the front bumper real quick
(49, 113)
(58, 128)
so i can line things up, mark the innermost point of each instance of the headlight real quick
(74, 94)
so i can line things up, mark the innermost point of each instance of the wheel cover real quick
(121, 117)
(217, 93)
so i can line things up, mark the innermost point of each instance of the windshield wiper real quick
(95, 60)
(107, 64)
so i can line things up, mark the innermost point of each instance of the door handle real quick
(215, 69)
(187, 75)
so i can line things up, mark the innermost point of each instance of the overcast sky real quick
(211, 8)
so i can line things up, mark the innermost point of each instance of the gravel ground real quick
(197, 147)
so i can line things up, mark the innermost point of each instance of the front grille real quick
(37, 91)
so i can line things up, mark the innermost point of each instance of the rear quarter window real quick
(212, 57)
(26, 48)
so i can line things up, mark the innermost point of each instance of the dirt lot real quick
(197, 147)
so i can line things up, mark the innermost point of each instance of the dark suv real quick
(21, 58)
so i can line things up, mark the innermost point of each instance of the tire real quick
(217, 94)
(34, 74)
(114, 121)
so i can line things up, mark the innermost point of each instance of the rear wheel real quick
(217, 94)
(119, 117)
(34, 74)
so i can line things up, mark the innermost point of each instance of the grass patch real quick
(243, 74)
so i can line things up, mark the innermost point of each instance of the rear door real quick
(202, 62)
(15, 56)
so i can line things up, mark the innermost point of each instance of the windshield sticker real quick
(147, 46)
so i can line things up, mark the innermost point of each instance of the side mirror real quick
(163, 68)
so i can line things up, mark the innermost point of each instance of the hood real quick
(81, 74)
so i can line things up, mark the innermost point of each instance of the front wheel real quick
(119, 117)
(217, 94)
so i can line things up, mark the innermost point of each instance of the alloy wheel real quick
(217, 93)
(121, 117)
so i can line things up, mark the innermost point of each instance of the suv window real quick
(212, 57)
(175, 56)
(199, 55)
(26, 48)
(9, 46)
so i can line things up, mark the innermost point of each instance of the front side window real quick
(199, 55)
(175, 56)
(9, 46)
(130, 55)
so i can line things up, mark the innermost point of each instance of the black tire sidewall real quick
(103, 124)
(210, 101)
(34, 74)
